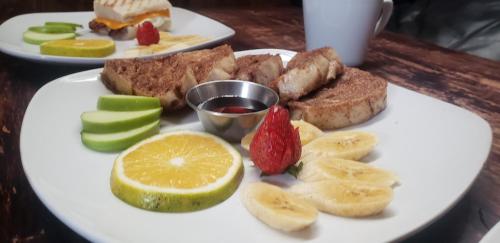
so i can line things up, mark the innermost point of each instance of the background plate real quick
(436, 148)
(493, 235)
(183, 22)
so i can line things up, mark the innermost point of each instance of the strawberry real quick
(147, 34)
(276, 144)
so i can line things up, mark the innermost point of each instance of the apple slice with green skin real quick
(127, 103)
(110, 142)
(116, 121)
(36, 38)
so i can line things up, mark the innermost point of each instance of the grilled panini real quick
(120, 18)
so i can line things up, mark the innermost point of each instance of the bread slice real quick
(262, 69)
(167, 78)
(211, 64)
(306, 72)
(354, 97)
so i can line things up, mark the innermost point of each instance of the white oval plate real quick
(493, 235)
(436, 148)
(184, 22)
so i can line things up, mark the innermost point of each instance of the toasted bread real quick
(262, 69)
(306, 72)
(211, 64)
(352, 98)
(167, 78)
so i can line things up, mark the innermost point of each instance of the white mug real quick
(345, 25)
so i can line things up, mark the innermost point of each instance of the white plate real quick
(436, 148)
(183, 22)
(493, 235)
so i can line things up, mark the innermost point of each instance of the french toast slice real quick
(167, 78)
(170, 77)
(306, 72)
(211, 64)
(262, 69)
(352, 98)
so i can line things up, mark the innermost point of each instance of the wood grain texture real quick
(467, 81)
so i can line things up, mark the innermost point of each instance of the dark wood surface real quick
(467, 81)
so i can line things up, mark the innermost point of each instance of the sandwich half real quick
(121, 18)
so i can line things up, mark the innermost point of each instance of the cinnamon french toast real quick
(262, 69)
(306, 72)
(169, 78)
(211, 64)
(352, 98)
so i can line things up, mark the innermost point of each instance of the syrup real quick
(233, 105)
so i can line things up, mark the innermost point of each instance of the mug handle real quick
(384, 16)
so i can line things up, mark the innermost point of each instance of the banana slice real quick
(345, 199)
(277, 208)
(352, 145)
(325, 168)
(247, 140)
(307, 133)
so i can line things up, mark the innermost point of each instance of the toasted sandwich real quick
(352, 98)
(306, 72)
(262, 69)
(121, 18)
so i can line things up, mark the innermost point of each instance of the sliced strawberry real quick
(276, 144)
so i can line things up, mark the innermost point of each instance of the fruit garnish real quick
(115, 121)
(73, 25)
(36, 38)
(121, 121)
(147, 34)
(177, 171)
(116, 141)
(325, 168)
(127, 103)
(307, 132)
(168, 42)
(78, 48)
(276, 144)
(278, 208)
(345, 198)
(52, 29)
(352, 145)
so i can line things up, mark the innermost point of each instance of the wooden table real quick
(467, 81)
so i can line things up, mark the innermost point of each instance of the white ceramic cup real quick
(346, 25)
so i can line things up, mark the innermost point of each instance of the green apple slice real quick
(108, 142)
(127, 102)
(116, 121)
(35, 38)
